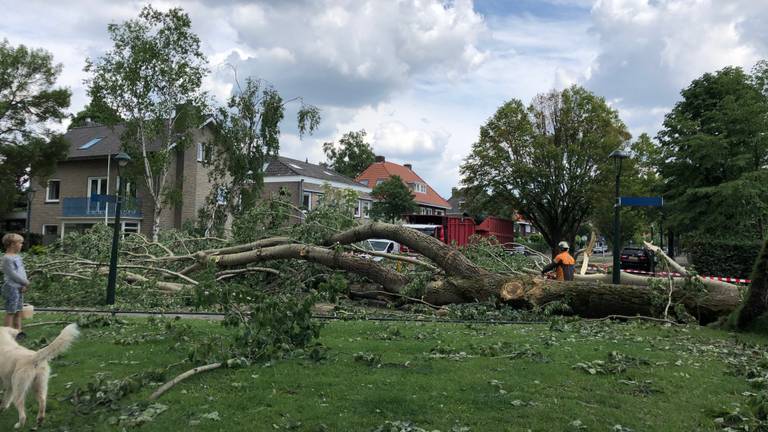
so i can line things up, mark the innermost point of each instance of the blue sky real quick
(422, 76)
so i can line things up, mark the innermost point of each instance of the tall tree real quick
(352, 156)
(393, 199)
(714, 160)
(546, 160)
(247, 135)
(639, 177)
(97, 112)
(151, 78)
(29, 104)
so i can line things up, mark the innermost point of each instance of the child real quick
(15, 282)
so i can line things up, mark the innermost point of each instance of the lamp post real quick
(618, 156)
(122, 160)
(30, 197)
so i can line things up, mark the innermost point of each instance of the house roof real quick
(104, 140)
(286, 167)
(96, 140)
(384, 170)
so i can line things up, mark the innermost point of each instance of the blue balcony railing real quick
(90, 207)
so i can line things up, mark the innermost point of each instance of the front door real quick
(96, 186)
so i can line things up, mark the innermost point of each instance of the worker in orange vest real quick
(563, 264)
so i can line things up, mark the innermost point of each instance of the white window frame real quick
(367, 209)
(358, 208)
(418, 187)
(128, 187)
(221, 195)
(379, 181)
(200, 152)
(50, 225)
(364, 182)
(124, 223)
(429, 211)
(48, 191)
(439, 212)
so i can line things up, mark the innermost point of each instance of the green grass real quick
(532, 386)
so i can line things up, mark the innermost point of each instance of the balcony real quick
(93, 208)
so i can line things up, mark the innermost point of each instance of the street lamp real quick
(30, 197)
(618, 156)
(122, 160)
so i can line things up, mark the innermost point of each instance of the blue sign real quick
(642, 201)
(103, 198)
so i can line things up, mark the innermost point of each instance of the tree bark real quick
(756, 302)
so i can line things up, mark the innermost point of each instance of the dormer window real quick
(418, 187)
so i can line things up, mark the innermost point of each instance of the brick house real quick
(65, 201)
(428, 201)
(304, 181)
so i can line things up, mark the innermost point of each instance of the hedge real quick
(731, 258)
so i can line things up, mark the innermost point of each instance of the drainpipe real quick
(301, 199)
(106, 203)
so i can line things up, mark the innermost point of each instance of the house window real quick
(52, 191)
(364, 182)
(358, 207)
(131, 227)
(221, 195)
(366, 209)
(129, 190)
(50, 230)
(307, 200)
(439, 212)
(418, 187)
(379, 181)
(429, 211)
(201, 156)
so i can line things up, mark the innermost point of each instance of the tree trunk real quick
(461, 281)
(756, 302)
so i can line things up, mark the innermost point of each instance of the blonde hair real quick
(12, 238)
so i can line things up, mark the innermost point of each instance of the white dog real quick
(21, 369)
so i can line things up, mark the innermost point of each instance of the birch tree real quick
(151, 78)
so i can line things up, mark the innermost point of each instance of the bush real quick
(714, 257)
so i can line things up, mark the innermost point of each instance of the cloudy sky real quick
(421, 76)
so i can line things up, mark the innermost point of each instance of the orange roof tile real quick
(384, 170)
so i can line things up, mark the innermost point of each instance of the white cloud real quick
(650, 50)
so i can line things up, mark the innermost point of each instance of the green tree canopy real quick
(714, 159)
(97, 111)
(151, 78)
(29, 103)
(394, 199)
(352, 156)
(247, 135)
(546, 160)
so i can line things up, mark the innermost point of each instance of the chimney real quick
(454, 191)
(409, 166)
(379, 159)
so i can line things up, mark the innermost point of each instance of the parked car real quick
(600, 248)
(635, 258)
(383, 245)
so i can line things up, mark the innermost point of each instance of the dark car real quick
(636, 259)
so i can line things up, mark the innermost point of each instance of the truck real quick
(456, 230)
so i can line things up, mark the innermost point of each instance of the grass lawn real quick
(449, 377)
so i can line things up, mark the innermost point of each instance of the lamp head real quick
(122, 159)
(619, 154)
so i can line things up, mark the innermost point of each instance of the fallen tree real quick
(453, 277)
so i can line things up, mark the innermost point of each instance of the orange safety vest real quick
(565, 264)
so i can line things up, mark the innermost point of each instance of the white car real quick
(383, 245)
(600, 248)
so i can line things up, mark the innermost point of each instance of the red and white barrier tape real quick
(717, 278)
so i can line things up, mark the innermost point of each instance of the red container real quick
(454, 230)
(502, 229)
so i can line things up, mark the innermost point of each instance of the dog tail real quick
(59, 345)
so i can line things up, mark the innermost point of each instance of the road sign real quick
(97, 198)
(642, 201)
